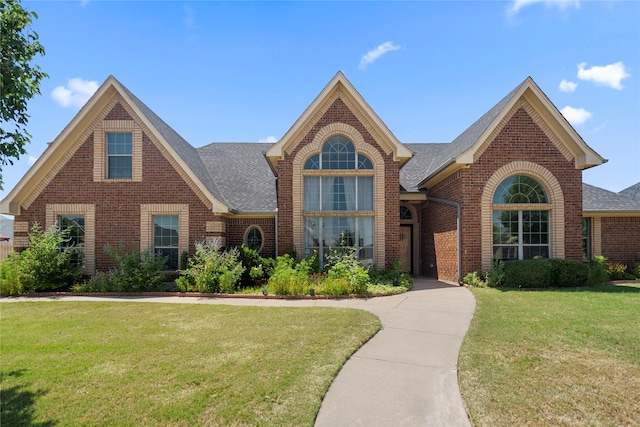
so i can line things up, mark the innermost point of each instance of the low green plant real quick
(617, 271)
(255, 266)
(211, 270)
(335, 286)
(289, 278)
(473, 279)
(495, 277)
(395, 276)
(134, 271)
(343, 264)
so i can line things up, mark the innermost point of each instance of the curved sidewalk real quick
(406, 375)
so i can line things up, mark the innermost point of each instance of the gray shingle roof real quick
(242, 175)
(426, 157)
(469, 137)
(632, 192)
(185, 150)
(596, 199)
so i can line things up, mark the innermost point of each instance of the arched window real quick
(520, 233)
(405, 212)
(253, 238)
(351, 194)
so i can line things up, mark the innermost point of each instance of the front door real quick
(406, 246)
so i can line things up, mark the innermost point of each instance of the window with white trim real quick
(520, 233)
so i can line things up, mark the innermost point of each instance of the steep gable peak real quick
(338, 87)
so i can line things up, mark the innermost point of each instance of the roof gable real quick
(339, 87)
(632, 192)
(471, 143)
(184, 156)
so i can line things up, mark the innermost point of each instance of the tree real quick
(19, 79)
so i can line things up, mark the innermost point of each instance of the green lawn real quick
(556, 358)
(85, 363)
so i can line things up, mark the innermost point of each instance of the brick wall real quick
(520, 139)
(117, 204)
(621, 239)
(237, 227)
(338, 112)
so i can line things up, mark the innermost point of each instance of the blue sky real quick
(245, 71)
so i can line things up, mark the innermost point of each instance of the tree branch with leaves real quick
(19, 78)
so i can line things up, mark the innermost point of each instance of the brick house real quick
(510, 186)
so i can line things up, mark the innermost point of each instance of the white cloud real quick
(75, 94)
(575, 116)
(608, 75)
(371, 56)
(269, 139)
(516, 5)
(567, 86)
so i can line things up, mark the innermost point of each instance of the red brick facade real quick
(338, 112)
(523, 136)
(621, 239)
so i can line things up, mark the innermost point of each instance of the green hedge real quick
(544, 273)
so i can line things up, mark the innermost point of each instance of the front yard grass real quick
(85, 363)
(555, 357)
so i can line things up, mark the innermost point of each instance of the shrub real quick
(616, 270)
(540, 273)
(46, 264)
(253, 264)
(134, 271)
(288, 278)
(335, 286)
(211, 270)
(10, 283)
(598, 271)
(344, 264)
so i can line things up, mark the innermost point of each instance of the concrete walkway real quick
(406, 375)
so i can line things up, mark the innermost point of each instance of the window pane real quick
(520, 189)
(365, 228)
(505, 227)
(74, 224)
(119, 167)
(505, 252)
(365, 193)
(254, 239)
(364, 162)
(313, 162)
(338, 153)
(530, 252)
(165, 231)
(311, 193)
(405, 212)
(312, 233)
(119, 143)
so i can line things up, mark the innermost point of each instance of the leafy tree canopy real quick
(19, 79)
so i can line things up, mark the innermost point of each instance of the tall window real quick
(74, 224)
(520, 233)
(350, 194)
(165, 239)
(119, 157)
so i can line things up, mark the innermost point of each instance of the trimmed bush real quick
(542, 273)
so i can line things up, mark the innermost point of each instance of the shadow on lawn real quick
(17, 404)
(608, 288)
